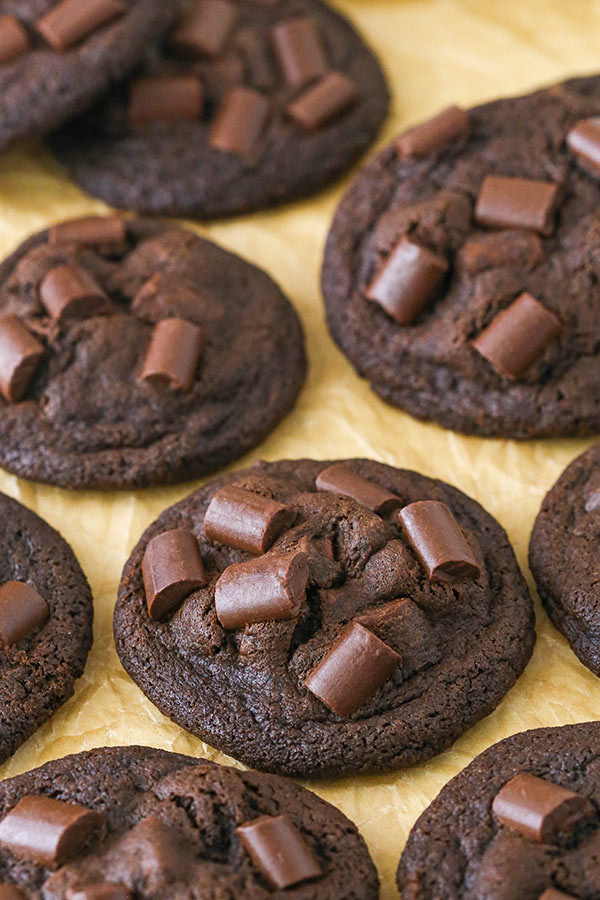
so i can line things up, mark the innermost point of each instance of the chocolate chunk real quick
(339, 479)
(69, 292)
(10, 892)
(156, 855)
(539, 810)
(518, 336)
(165, 99)
(205, 28)
(14, 40)
(517, 203)
(244, 520)
(71, 21)
(404, 627)
(262, 590)
(407, 281)
(488, 251)
(591, 493)
(434, 135)
(553, 894)
(48, 831)
(108, 890)
(357, 665)
(172, 568)
(90, 231)
(584, 142)
(324, 101)
(20, 357)
(22, 610)
(173, 355)
(279, 851)
(437, 539)
(240, 121)
(297, 46)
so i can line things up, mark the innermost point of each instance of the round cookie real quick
(334, 651)
(169, 829)
(563, 555)
(277, 99)
(46, 615)
(56, 58)
(176, 358)
(487, 837)
(460, 271)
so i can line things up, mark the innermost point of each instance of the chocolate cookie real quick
(460, 275)
(520, 823)
(138, 353)
(312, 618)
(46, 617)
(119, 822)
(57, 57)
(244, 104)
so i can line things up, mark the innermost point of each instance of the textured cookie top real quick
(324, 618)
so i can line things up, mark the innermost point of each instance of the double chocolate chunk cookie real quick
(57, 56)
(136, 353)
(245, 103)
(520, 823)
(131, 822)
(460, 275)
(46, 617)
(315, 618)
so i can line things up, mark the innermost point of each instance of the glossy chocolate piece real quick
(72, 21)
(246, 521)
(584, 142)
(165, 99)
(517, 203)
(553, 894)
(540, 810)
(14, 40)
(240, 121)
(518, 336)
(407, 281)
(435, 134)
(502, 248)
(108, 890)
(299, 51)
(172, 568)
(20, 358)
(340, 479)
(205, 28)
(90, 231)
(321, 103)
(353, 670)
(438, 541)
(48, 831)
(69, 292)
(279, 851)
(173, 354)
(266, 589)
(11, 892)
(22, 610)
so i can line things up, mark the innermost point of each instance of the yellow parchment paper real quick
(436, 52)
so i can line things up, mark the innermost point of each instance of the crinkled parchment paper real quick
(436, 52)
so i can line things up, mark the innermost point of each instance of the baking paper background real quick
(436, 52)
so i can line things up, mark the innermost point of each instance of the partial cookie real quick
(520, 823)
(46, 617)
(124, 822)
(245, 104)
(58, 57)
(460, 275)
(136, 353)
(312, 618)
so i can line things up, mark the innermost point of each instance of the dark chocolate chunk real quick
(240, 121)
(90, 231)
(69, 292)
(434, 135)
(517, 203)
(108, 890)
(339, 479)
(262, 590)
(14, 40)
(172, 568)
(22, 610)
(48, 831)
(323, 101)
(539, 809)
(244, 520)
(488, 251)
(279, 851)
(297, 46)
(518, 336)
(553, 894)
(584, 142)
(408, 280)
(11, 892)
(173, 354)
(437, 539)
(353, 670)
(20, 357)
(404, 627)
(165, 99)
(205, 28)
(71, 21)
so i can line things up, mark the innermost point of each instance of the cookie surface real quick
(540, 242)
(458, 849)
(88, 418)
(455, 648)
(42, 86)
(170, 833)
(39, 666)
(135, 161)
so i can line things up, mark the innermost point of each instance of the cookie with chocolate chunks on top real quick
(132, 822)
(133, 352)
(242, 105)
(460, 270)
(382, 616)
